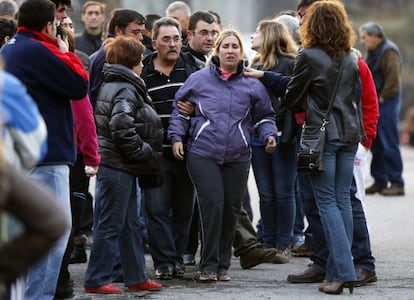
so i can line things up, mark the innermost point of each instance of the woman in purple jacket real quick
(228, 108)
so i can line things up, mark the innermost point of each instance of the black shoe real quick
(178, 272)
(78, 256)
(64, 291)
(163, 273)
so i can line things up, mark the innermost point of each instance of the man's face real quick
(203, 37)
(51, 29)
(93, 18)
(168, 43)
(133, 29)
(60, 12)
(181, 18)
(369, 42)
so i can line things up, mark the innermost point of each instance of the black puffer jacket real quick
(310, 90)
(129, 130)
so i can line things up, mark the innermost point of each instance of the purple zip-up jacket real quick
(226, 115)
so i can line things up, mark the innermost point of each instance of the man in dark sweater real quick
(93, 16)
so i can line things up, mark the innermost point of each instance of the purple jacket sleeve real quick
(179, 123)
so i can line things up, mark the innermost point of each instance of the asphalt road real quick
(390, 222)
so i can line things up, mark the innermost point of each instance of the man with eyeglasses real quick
(202, 33)
(169, 207)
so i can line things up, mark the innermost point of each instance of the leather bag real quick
(313, 139)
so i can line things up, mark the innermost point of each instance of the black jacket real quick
(129, 130)
(311, 87)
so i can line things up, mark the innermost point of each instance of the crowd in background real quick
(170, 116)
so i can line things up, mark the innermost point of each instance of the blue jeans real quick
(117, 230)
(275, 178)
(332, 194)
(386, 164)
(361, 245)
(168, 211)
(42, 278)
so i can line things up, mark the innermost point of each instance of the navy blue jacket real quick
(52, 79)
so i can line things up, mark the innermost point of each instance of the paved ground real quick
(390, 221)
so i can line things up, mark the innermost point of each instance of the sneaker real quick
(281, 256)
(223, 275)
(302, 251)
(148, 285)
(105, 289)
(163, 273)
(256, 256)
(208, 276)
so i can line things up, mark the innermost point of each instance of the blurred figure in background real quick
(93, 17)
(384, 60)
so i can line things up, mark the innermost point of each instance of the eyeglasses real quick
(167, 40)
(204, 33)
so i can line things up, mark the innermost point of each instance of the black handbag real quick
(313, 139)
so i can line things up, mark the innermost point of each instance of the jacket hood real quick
(116, 72)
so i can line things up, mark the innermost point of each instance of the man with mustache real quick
(169, 207)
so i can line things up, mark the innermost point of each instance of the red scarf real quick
(68, 58)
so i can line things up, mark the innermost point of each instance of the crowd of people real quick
(170, 116)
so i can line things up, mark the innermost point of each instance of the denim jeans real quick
(386, 164)
(168, 212)
(332, 195)
(116, 231)
(361, 246)
(275, 175)
(42, 278)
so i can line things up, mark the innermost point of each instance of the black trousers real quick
(220, 191)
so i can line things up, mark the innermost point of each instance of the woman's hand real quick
(186, 107)
(249, 72)
(178, 150)
(270, 144)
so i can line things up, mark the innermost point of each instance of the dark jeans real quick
(386, 164)
(220, 190)
(168, 212)
(361, 246)
(275, 175)
(116, 231)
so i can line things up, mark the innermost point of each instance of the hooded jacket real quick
(129, 130)
(226, 114)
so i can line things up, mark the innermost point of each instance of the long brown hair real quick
(277, 41)
(327, 26)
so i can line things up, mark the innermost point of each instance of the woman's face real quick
(257, 40)
(138, 68)
(229, 53)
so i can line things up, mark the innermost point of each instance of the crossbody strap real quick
(328, 111)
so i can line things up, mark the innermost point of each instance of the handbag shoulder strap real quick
(328, 111)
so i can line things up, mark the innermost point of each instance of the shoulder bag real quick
(312, 140)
